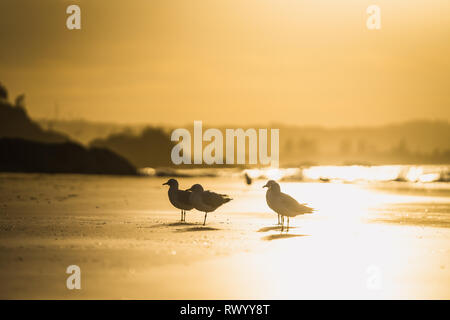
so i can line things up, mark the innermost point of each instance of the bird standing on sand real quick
(179, 198)
(248, 180)
(284, 204)
(206, 201)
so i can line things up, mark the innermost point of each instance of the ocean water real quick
(354, 173)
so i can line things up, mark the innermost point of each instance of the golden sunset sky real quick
(239, 62)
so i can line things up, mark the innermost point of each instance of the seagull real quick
(206, 201)
(179, 198)
(283, 204)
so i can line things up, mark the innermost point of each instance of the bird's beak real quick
(265, 186)
(190, 189)
(165, 183)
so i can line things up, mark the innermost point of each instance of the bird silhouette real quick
(179, 198)
(206, 201)
(248, 180)
(283, 204)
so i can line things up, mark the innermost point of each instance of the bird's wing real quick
(183, 196)
(214, 199)
(291, 205)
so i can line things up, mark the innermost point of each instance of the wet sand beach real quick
(385, 240)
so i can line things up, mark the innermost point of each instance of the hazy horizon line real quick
(252, 125)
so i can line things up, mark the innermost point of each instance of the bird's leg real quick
(184, 216)
(287, 224)
(282, 223)
(279, 220)
(181, 219)
(204, 221)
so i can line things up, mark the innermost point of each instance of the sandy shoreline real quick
(128, 243)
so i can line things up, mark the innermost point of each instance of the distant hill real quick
(15, 123)
(420, 141)
(151, 148)
(85, 131)
(413, 142)
(26, 147)
(19, 155)
(419, 135)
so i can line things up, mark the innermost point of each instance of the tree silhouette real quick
(20, 101)
(3, 92)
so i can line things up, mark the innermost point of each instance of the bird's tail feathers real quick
(227, 199)
(312, 210)
(308, 210)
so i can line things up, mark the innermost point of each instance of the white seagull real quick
(179, 198)
(284, 204)
(206, 201)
